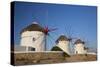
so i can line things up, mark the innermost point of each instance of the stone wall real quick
(48, 58)
(38, 58)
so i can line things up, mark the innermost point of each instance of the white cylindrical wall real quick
(64, 45)
(79, 49)
(33, 39)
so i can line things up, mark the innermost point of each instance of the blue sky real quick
(75, 20)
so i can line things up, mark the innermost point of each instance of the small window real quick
(32, 49)
(76, 52)
(33, 39)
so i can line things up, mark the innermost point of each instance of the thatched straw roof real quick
(62, 38)
(33, 27)
(79, 41)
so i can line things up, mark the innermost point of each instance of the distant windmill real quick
(80, 47)
(63, 44)
(69, 33)
(88, 47)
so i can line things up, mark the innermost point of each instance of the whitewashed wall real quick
(38, 43)
(79, 49)
(64, 45)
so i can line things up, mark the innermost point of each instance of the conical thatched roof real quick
(79, 41)
(33, 27)
(62, 38)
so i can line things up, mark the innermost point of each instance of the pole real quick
(45, 43)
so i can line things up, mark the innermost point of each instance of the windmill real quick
(35, 36)
(77, 40)
(62, 44)
(38, 35)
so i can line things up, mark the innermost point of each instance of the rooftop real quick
(33, 27)
(79, 41)
(63, 38)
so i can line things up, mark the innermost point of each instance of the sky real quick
(75, 20)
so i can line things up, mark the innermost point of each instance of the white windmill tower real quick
(33, 37)
(80, 47)
(63, 43)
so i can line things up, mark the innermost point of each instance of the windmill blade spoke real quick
(70, 30)
(74, 38)
(55, 33)
(50, 40)
(51, 37)
(67, 31)
(53, 29)
(71, 42)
